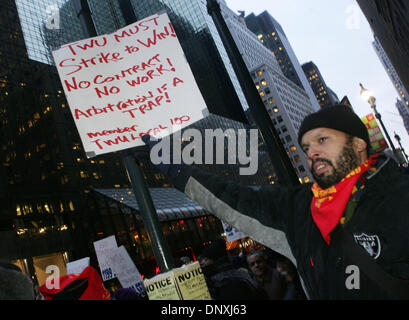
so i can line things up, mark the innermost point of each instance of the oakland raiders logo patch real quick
(371, 244)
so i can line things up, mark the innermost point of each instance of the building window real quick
(260, 73)
(293, 148)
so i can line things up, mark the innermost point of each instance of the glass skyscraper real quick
(45, 177)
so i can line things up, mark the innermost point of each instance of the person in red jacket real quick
(85, 286)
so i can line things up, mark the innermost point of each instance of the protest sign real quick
(184, 283)
(125, 270)
(162, 287)
(102, 249)
(131, 82)
(376, 138)
(191, 282)
(77, 266)
(232, 233)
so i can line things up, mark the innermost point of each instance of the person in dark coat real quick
(14, 284)
(223, 280)
(266, 277)
(356, 192)
(294, 289)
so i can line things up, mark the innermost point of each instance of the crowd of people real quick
(257, 275)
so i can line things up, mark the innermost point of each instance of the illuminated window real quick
(260, 73)
(306, 179)
(293, 148)
(64, 179)
(271, 101)
(264, 82)
(47, 208)
(262, 94)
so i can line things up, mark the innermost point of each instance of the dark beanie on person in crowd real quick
(339, 117)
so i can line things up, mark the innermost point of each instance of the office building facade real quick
(393, 75)
(272, 35)
(287, 105)
(46, 178)
(389, 21)
(325, 96)
(404, 113)
(289, 101)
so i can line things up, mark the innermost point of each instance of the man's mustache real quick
(320, 160)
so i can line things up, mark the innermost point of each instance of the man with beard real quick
(357, 193)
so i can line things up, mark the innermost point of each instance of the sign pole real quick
(135, 174)
(148, 212)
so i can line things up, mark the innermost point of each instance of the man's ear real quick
(359, 145)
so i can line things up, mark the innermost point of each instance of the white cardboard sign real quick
(132, 82)
(232, 234)
(125, 270)
(102, 249)
(77, 266)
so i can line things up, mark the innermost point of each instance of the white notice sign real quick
(132, 82)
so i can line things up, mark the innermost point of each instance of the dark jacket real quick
(227, 283)
(277, 216)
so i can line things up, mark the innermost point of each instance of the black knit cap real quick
(339, 117)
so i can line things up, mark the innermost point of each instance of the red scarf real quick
(328, 205)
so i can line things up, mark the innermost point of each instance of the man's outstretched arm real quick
(264, 214)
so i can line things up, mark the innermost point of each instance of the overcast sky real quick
(336, 36)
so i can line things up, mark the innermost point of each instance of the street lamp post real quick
(367, 95)
(397, 137)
